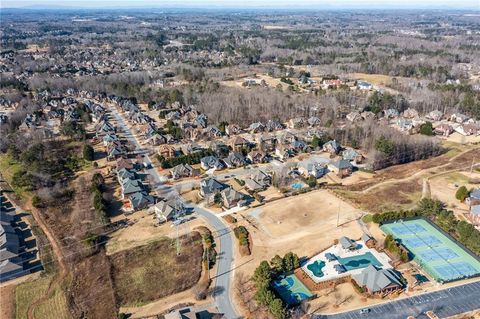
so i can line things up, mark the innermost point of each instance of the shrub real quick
(36, 201)
(88, 152)
(462, 193)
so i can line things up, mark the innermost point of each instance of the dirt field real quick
(155, 270)
(144, 231)
(307, 212)
(304, 224)
(7, 298)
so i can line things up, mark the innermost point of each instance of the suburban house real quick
(184, 170)
(474, 214)
(362, 85)
(140, 200)
(284, 151)
(258, 180)
(231, 198)
(410, 113)
(353, 116)
(256, 127)
(209, 187)
(233, 129)
(267, 142)
(473, 198)
(352, 155)
(167, 151)
(166, 210)
(342, 168)
(332, 147)
(125, 173)
(234, 159)
(444, 129)
(435, 115)
(313, 167)
(257, 157)
(211, 162)
(390, 113)
(378, 281)
(238, 143)
(130, 186)
(124, 163)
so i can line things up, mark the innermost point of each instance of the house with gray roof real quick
(341, 167)
(166, 210)
(375, 280)
(352, 155)
(232, 198)
(183, 170)
(209, 187)
(313, 167)
(332, 147)
(211, 162)
(130, 186)
(140, 200)
(234, 159)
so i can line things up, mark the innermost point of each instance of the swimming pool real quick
(360, 261)
(297, 185)
(316, 268)
(291, 289)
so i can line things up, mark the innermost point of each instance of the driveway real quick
(445, 303)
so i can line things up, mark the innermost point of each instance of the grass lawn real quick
(153, 271)
(53, 308)
(9, 167)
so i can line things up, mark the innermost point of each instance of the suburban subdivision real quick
(202, 163)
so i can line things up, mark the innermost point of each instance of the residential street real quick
(221, 231)
(444, 303)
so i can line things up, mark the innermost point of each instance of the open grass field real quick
(53, 308)
(153, 271)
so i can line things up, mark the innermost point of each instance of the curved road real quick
(223, 278)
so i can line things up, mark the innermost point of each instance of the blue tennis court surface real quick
(439, 255)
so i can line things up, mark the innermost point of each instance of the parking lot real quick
(444, 303)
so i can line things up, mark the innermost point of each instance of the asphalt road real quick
(223, 277)
(445, 303)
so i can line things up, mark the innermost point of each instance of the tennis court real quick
(440, 256)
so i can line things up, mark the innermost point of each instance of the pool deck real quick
(329, 270)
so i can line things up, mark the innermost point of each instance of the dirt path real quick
(61, 274)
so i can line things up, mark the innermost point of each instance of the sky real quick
(299, 4)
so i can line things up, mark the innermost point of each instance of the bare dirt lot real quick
(155, 270)
(144, 231)
(307, 212)
(303, 224)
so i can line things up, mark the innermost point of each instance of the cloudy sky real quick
(317, 4)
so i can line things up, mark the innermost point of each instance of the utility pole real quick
(338, 212)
